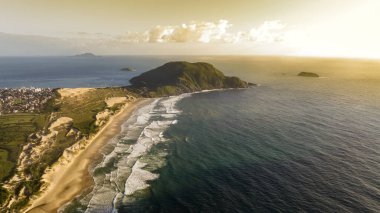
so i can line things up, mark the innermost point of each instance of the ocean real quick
(71, 72)
(291, 144)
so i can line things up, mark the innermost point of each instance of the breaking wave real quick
(131, 159)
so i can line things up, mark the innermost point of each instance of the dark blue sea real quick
(291, 144)
(271, 149)
(57, 72)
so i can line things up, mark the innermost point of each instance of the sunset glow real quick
(301, 28)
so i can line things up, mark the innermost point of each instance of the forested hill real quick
(179, 77)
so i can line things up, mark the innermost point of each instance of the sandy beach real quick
(67, 182)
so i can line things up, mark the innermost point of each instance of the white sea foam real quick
(123, 170)
(137, 179)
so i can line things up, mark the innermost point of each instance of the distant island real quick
(308, 74)
(88, 55)
(174, 78)
(128, 69)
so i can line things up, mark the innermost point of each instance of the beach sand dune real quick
(73, 92)
(70, 180)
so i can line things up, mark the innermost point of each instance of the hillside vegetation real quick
(34, 130)
(14, 131)
(180, 77)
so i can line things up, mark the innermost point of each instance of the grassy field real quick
(83, 109)
(6, 164)
(14, 131)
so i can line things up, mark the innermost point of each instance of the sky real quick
(339, 28)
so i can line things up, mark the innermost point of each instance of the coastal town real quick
(24, 99)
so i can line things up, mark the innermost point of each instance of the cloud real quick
(191, 32)
(269, 31)
(207, 32)
(211, 32)
(203, 32)
(195, 36)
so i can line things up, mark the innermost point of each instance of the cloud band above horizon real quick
(199, 32)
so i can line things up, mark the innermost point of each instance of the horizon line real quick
(199, 55)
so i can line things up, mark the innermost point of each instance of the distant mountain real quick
(89, 55)
(179, 77)
(308, 74)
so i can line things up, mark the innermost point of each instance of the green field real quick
(83, 109)
(6, 164)
(14, 131)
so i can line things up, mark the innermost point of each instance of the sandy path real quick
(71, 180)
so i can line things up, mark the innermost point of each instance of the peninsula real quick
(47, 145)
(174, 78)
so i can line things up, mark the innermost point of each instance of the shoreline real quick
(68, 181)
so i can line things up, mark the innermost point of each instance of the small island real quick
(308, 74)
(86, 55)
(128, 69)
